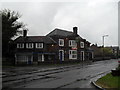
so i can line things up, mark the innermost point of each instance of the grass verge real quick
(109, 81)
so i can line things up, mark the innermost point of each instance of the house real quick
(34, 49)
(98, 53)
(57, 46)
(70, 46)
(114, 50)
(108, 52)
(97, 50)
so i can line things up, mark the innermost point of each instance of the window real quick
(24, 58)
(29, 45)
(40, 57)
(72, 43)
(61, 42)
(72, 54)
(82, 44)
(39, 45)
(20, 45)
(21, 58)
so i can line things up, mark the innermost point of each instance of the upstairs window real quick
(39, 45)
(29, 45)
(61, 42)
(82, 44)
(20, 45)
(72, 43)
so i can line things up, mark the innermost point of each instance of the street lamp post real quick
(103, 44)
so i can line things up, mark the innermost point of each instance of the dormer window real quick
(39, 45)
(29, 45)
(82, 44)
(72, 43)
(61, 42)
(20, 45)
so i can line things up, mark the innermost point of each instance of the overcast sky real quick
(94, 18)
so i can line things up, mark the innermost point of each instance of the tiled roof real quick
(60, 32)
(44, 39)
(47, 39)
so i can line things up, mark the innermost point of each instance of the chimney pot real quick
(75, 30)
(24, 33)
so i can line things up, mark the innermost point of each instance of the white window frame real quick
(62, 42)
(71, 54)
(28, 45)
(72, 43)
(20, 45)
(39, 45)
(82, 44)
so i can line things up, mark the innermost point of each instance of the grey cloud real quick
(94, 18)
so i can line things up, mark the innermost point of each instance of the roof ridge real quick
(50, 32)
(36, 36)
(63, 30)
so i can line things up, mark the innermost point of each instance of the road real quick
(79, 76)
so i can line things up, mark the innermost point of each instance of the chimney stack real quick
(75, 30)
(24, 33)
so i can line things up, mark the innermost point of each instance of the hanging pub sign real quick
(74, 48)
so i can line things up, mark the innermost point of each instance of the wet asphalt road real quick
(76, 76)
